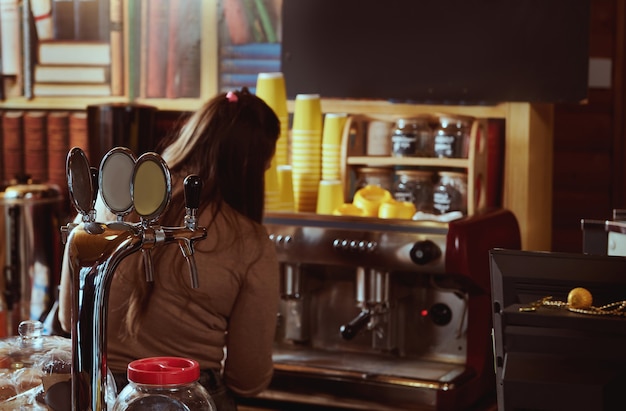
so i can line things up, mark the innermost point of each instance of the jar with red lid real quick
(164, 383)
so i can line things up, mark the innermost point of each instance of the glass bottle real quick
(415, 186)
(450, 193)
(374, 176)
(451, 137)
(412, 137)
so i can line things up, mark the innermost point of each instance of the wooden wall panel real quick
(585, 140)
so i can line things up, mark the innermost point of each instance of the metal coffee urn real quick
(120, 124)
(30, 251)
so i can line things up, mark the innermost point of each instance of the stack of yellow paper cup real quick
(270, 87)
(306, 139)
(285, 184)
(329, 196)
(272, 188)
(332, 133)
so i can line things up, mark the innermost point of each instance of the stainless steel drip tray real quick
(399, 371)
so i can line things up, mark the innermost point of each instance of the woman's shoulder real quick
(229, 225)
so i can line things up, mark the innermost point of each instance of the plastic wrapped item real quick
(35, 371)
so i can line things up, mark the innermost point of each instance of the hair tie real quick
(232, 97)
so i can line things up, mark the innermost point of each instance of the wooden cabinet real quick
(474, 165)
(528, 156)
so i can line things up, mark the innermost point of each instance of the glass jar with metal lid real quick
(451, 137)
(412, 137)
(376, 176)
(450, 193)
(415, 186)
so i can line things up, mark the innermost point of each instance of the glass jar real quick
(415, 186)
(374, 176)
(412, 137)
(164, 383)
(451, 137)
(450, 194)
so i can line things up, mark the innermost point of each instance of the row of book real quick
(35, 144)
(76, 47)
(251, 21)
(165, 52)
(241, 64)
(62, 47)
(249, 42)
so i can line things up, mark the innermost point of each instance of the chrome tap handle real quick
(193, 186)
(186, 246)
(146, 255)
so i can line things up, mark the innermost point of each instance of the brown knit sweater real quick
(229, 320)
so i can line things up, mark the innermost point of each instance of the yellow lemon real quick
(369, 199)
(579, 298)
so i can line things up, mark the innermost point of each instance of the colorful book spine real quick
(238, 80)
(42, 14)
(63, 19)
(236, 22)
(250, 66)
(11, 38)
(86, 20)
(251, 50)
(157, 48)
(184, 60)
(116, 34)
(28, 51)
(172, 77)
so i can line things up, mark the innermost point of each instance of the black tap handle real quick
(350, 330)
(193, 185)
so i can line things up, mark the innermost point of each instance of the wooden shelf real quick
(474, 166)
(374, 161)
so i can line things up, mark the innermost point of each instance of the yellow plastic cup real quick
(349, 209)
(397, 209)
(329, 196)
(270, 87)
(334, 124)
(307, 113)
(369, 199)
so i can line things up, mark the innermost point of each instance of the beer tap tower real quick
(95, 249)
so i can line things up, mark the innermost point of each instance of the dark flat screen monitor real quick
(437, 51)
(555, 359)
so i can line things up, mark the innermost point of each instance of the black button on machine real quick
(424, 252)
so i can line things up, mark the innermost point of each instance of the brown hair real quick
(228, 143)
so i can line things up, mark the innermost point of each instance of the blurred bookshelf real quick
(171, 54)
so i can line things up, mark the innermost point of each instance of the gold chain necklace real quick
(579, 300)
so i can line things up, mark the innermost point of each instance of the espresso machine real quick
(385, 314)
